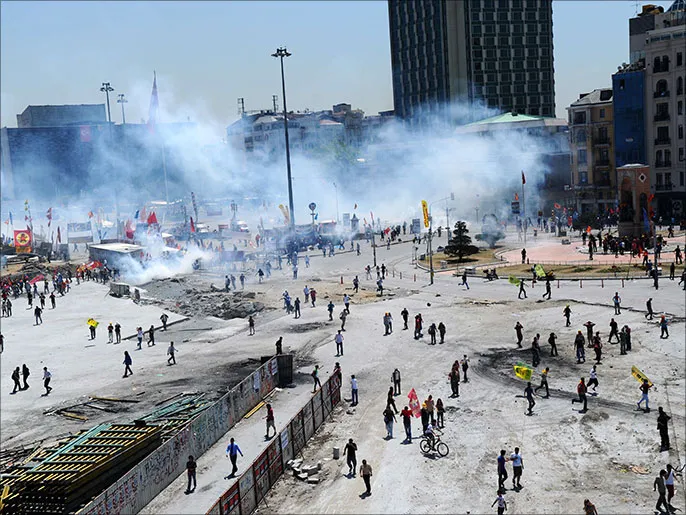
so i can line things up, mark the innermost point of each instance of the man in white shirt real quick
(353, 388)
(346, 302)
(339, 343)
(517, 467)
(46, 380)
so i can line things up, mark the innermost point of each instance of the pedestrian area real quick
(214, 466)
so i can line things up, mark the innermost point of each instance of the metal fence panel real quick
(317, 412)
(247, 488)
(297, 434)
(231, 500)
(308, 421)
(286, 447)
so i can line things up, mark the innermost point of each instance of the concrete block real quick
(336, 453)
(313, 480)
(302, 477)
(312, 471)
(319, 465)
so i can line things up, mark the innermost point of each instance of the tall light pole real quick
(107, 88)
(281, 52)
(431, 253)
(336, 188)
(121, 99)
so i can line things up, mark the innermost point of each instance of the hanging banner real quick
(22, 241)
(522, 371)
(640, 376)
(515, 208)
(414, 403)
(425, 212)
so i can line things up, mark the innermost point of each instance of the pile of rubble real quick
(304, 472)
(219, 304)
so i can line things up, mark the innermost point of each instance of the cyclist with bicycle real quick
(431, 433)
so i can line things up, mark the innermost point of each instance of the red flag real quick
(557, 206)
(192, 225)
(414, 403)
(85, 133)
(154, 105)
(516, 197)
(152, 219)
(588, 229)
(523, 178)
(90, 214)
(59, 235)
(372, 215)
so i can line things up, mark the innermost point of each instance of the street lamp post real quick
(121, 99)
(431, 254)
(107, 88)
(281, 52)
(336, 188)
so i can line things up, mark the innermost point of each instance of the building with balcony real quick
(61, 115)
(665, 102)
(495, 52)
(591, 133)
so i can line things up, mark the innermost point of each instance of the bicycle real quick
(427, 444)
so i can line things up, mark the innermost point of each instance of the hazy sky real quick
(207, 54)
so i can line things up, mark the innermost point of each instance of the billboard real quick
(79, 233)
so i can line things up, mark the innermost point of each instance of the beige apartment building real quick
(594, 176)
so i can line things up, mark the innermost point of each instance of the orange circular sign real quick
(22, 238)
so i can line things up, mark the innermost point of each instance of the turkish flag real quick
(152, 219)
(192, 225)
(414, 403)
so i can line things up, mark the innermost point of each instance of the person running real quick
(669, 483)
(232, 452)
(127, 364)
(346, 303)
(645, 388)
(191, 467)
(520, 336)
(581, 390)
(517, 468)
(553, 344)
(529, 392)
(47, 376)
(329, 308)
(617, 301)
(663, 428)
(350, 452)
(464, 279)
(593, 378)
(544, 382)
(567, 312)
(270, 420)
(500, 500)
(171, 352)
(251, 326)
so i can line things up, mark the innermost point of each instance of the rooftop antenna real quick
(241, 107)
(636, 4)
(275, 103)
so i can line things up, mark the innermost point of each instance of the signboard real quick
(415, 228)
(79, 233)
(515, 208)
(22, 241)
(425, 212)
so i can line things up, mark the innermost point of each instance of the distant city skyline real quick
(208, 54)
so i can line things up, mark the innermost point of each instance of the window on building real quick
(546, 111)
(680, 132)
(531, 40)
(656, 65)
(664, 64)
(680, 107)
(681, 178)
(680, 86)
(583, 177)
(503, 41)
(475, 16)
(518, 53)
(489, 29)
(580, 118)
(602, 113)
(602, 134)
(621, 83)
(581, 136)
(668, 158)
(658, 179)
(681, 154)
(668, 179)
(581, 156)
(604, 155)
(679, 58)
(476, 41)
(663, 133)
(489, 41)
(658, 158)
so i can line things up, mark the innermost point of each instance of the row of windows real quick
(490, 41)
(529, 5)
(507, 53)
(516, 28)
(504, 16)
(518, 84)
(530, 65)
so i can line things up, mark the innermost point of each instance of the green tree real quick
(460, 244)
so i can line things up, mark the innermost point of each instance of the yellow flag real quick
(425, 211)
(284, 211)
(539, 271)
(513, 280)
(523, 372)
(640, 376)
(92, 322)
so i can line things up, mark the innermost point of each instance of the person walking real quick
(418, 326)
(529, 392)
(465, 367)
(346, 302)
(110, 333)
(232, 452)
(581, 391)
(127, 364)
(389, 418)
(315, 379)
(405, 314)
(589, 508)
(567, 312)
(430, 406)
(553, 344)
(366, 473)
(548, 291)
(390, 399)
(661, 488)
(15, 379)
(669, 483)
(520, 336)
(517, 468)
(502, 471)
(597, 348)
(395, 379)
(663, 428)
(645, 388)
(343, 316)
(432, 334)
(151, 336)
(191, 467)
(350, 452)
(329, 308)
(139, 335)
(440, 413)
(339, 343)
(614, 331)
(441, 332)
(407, 415)
(536, 351)
(649, 308)
(500, 500)
(579, 343)
(593, 378)
(279, 345)
(251, 326)
(455, 379)
(47, 376)
(617, 301)
(92, 324)
(356, 284)
(296, 305)
(521, 289)
(544, 382)
(664, 331)
(353, 390)
(171, 352)
(164, 318)
(25, 373)
(117, 332)
(37, 313)
(270, 421)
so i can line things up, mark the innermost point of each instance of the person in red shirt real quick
(581, 390)
(407, 415)
(270, 420)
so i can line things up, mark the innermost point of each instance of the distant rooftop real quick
(512, 120)
(678, 5)
(597, 96)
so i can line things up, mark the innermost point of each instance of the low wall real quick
(243, 497)
(133, 491)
